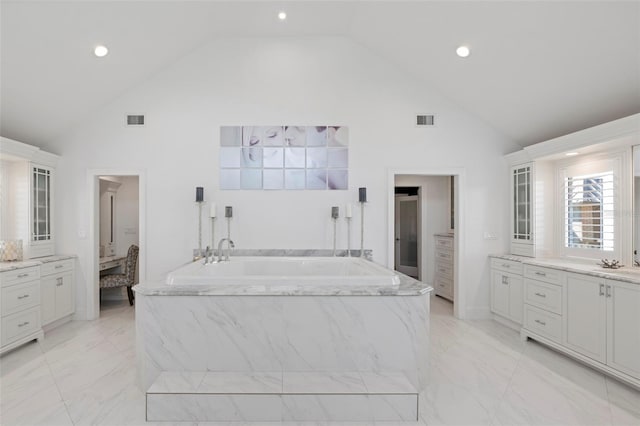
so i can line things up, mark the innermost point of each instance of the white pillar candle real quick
(212, 210)
(348, 212)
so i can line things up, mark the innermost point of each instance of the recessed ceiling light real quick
(463, 51)
(100, 51)
(570, 154)
(282, 16)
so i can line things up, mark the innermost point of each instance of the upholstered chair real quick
(123, 280)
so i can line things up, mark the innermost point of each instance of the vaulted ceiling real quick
(537, 69)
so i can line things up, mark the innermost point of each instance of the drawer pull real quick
(23, 297)
(541, 295)
(23, 324)
(506, 265)
(23, 275)
(540, 322)
(58, 282)
(608, 291)
(601, 289)
(59, 266)
(542, 274)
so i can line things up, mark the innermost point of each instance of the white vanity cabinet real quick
(507, 289)
(585, 326)
(20, 307)
(443, 279)
(57, 290)
(603, 321)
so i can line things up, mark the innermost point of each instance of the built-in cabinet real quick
(27, 191)
(507, 289)
(603, 321)
(444, 254)
(56, 285)
(20, 302)
(594, 319)
(33, 297)
(522, 210)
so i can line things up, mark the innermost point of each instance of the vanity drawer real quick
(444, 242)
(444, 255)
(56, 267)
(444, 269)
(507, 265)
(20, 324)
(18, 276)
(543, 295)
(18, 297)
(543, 323)
(548, 275)
(443, 286)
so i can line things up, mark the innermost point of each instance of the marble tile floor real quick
(83, 373)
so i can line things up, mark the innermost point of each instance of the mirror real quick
(636, 204)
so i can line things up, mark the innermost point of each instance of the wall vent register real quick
(135, 120)
(425, 120)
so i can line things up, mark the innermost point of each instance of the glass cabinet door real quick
(41, 204)
(522, 203)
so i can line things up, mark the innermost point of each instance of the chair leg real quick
(130, 294)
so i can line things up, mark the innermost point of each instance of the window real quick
(589, 204)
(589, 207)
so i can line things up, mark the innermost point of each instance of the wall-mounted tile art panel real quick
(284, 157)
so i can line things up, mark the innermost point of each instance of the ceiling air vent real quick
(425, 120)
(135, 120)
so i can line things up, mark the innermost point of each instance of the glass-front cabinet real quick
(41, 223)
(522, 210)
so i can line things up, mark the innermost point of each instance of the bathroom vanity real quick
(283, 339)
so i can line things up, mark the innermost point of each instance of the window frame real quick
(586, 166)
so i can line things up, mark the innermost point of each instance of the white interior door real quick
(407, 237)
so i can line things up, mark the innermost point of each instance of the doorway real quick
(116, 222)
(433, 208)
(119, 231)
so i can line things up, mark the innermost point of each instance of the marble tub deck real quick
(83, 373)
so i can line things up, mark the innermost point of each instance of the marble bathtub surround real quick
(594, 269)
(298, 351)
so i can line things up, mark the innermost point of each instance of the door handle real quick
(608, 291)
(601, 289)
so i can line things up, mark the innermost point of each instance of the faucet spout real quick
(230, 245)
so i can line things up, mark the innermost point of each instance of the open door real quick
(406, 235)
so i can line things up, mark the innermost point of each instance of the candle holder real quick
(348, 236)
(228, 213)
(199, 200)
(362, 198)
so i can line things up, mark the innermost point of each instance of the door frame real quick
(396, 259)
(93, 235)
(460, 304)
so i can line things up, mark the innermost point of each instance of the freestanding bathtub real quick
(283, 339)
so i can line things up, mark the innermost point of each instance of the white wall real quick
(434, 194)
(293, 81)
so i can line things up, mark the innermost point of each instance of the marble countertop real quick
(10, 266)
(407, 287)
(629, 274)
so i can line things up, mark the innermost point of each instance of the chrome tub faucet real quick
(230, 245)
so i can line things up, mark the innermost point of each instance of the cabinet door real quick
(521, 190)
(48, 299)
(585, 316)
(516, 298)
(499, 293)
(64, 295)
(623, 327)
